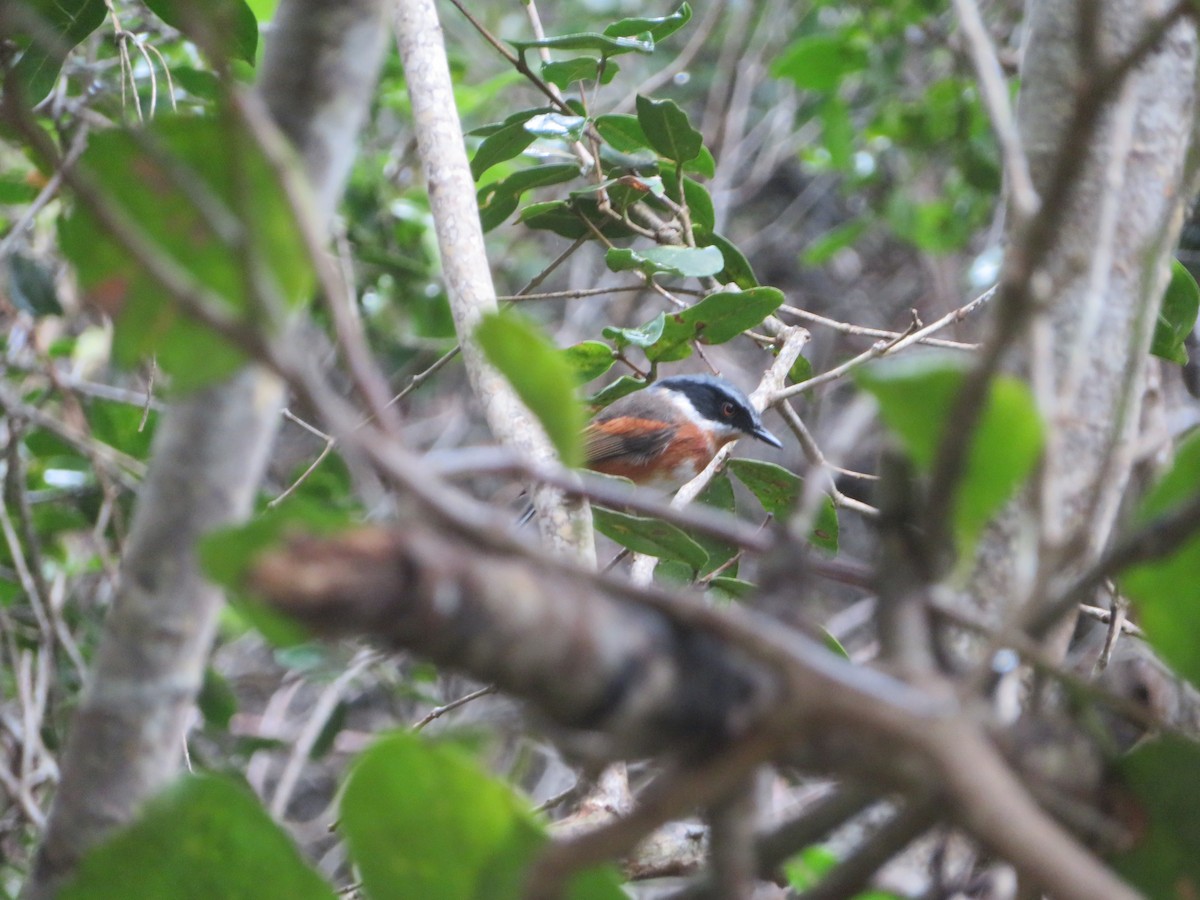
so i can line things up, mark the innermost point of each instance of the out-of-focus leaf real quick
(916, 394)
(1167, 591)
(650, 536)
(1176, 315)
(67, 22)
(819, 62)
(217, 701)
(156, 178)
(31, 286)
(423, 820)
(204, 837)
(806, 869)
(827, 245)
(688, 262)
(540, 375)
(229, 22)
(667, 128)
(1162, 781)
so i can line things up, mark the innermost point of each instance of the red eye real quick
(727, 410)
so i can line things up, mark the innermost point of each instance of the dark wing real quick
(626, 438)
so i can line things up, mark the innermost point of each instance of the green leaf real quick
(737, 268)
(800, 371)
(837, 130)
(734, 588)
(916, 394)
(819, 62)
(498, 200)
(31, 286)
(217, 701)
(556, 126)
(623, 133)
(581, 68)
(204, 196)
(658, 28)
(718, 495)
(667, 128)
(540, 375)
(688, 262)
(223, 20)
(1163, 779)
(643, 336)
(622, 387)
(68, 22)
(423, 820)
(699, 201)
(509, 141)
(704, 164)
(778, 490)
(1167, 591)
(1176, 316)
(602, 44)
(806, 869)
(827, 245)
(650, 536)
(204, 837)
(718, 318)
(566, 219)
(589, 360)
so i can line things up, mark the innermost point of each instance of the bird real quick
(664, 435)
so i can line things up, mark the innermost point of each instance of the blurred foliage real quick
(667, 186)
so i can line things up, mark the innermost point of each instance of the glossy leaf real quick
(581, 68)
(737, 269)
(778, 490)
(1176, 316)
(658, 28)
(1160, 783)
(589, 360)
(208, 20)
(68, 23)
(423, 820)
(687, 262)
(622, 387)
(504, 144)
(718, 318)
(667, 128)
(600, 43)
(499, 200)
(916, 394)
(650, 536)
(1167, 591)
(204, 837)
(557, 126)
(643, 336)
(540, 375)
(158, 175)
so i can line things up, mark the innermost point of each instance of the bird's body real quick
(664, 435)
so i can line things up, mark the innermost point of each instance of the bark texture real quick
(1108, 155)
(127, 738)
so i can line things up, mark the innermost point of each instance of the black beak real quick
(765, 436)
